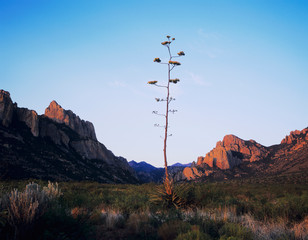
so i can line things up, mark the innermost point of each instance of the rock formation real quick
(84, 128)
(295, 137)
(234, 157)
(30, 118)
(232, 151)
(57, 145)
(6, 108)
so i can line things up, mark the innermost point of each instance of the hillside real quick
(57, 145)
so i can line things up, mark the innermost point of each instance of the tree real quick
(171, 65)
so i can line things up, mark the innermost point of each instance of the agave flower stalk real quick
(171, 65)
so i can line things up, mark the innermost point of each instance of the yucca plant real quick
(168, 190)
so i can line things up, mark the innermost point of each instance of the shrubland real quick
(90, 210)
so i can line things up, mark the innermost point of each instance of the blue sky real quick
(244, 73)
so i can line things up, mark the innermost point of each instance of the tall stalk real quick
(171, 64)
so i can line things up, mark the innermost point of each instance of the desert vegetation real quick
(89, 210)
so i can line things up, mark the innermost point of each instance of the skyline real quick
(244, 73)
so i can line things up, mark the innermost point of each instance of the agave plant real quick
(161, 195)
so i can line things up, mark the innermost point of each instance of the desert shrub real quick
(232, 231)
(170, 230)
(301, 229)
(139, 226)
(210, 195)
(296, 207)
(209, 226)
(113, 218)
(195, 234)
(52, 190)
(26, 207)
(57, 223)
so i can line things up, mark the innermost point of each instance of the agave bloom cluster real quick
(175, 81)
(181, 53)
(165, 42)
(175, 63)
(157, 60)
(152, 82)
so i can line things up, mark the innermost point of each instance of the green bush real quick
(170, 230)
(232, 231)
(195, 234)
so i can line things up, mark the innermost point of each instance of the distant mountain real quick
(142, 166)
(148, 173)
(181, 165)
(237, 158)
(57, 145)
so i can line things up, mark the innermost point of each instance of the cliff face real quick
(6, 108)
(84, 128)
(57, 145)
(30, 118)
(232, 151)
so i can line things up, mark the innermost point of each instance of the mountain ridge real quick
(234, 157)
(57, 145)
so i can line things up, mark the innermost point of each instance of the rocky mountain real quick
(236, 158)
(57, 145)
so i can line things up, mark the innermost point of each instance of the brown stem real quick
(168, 187)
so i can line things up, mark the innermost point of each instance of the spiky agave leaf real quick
(161, 197)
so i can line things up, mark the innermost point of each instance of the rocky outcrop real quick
(30, 118)
(6, 108)
(194, 172)
(92, 150)
(250, 150)
(49, 129)
(191, 173)
(221, 158)
(296, 137)
(55, 146)
(84, 128)
(237, 158)
(227, 154)
(232, 151)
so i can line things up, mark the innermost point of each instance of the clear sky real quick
(245, 71)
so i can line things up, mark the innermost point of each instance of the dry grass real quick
(281, 229)
(24, 208)
(112, 218)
